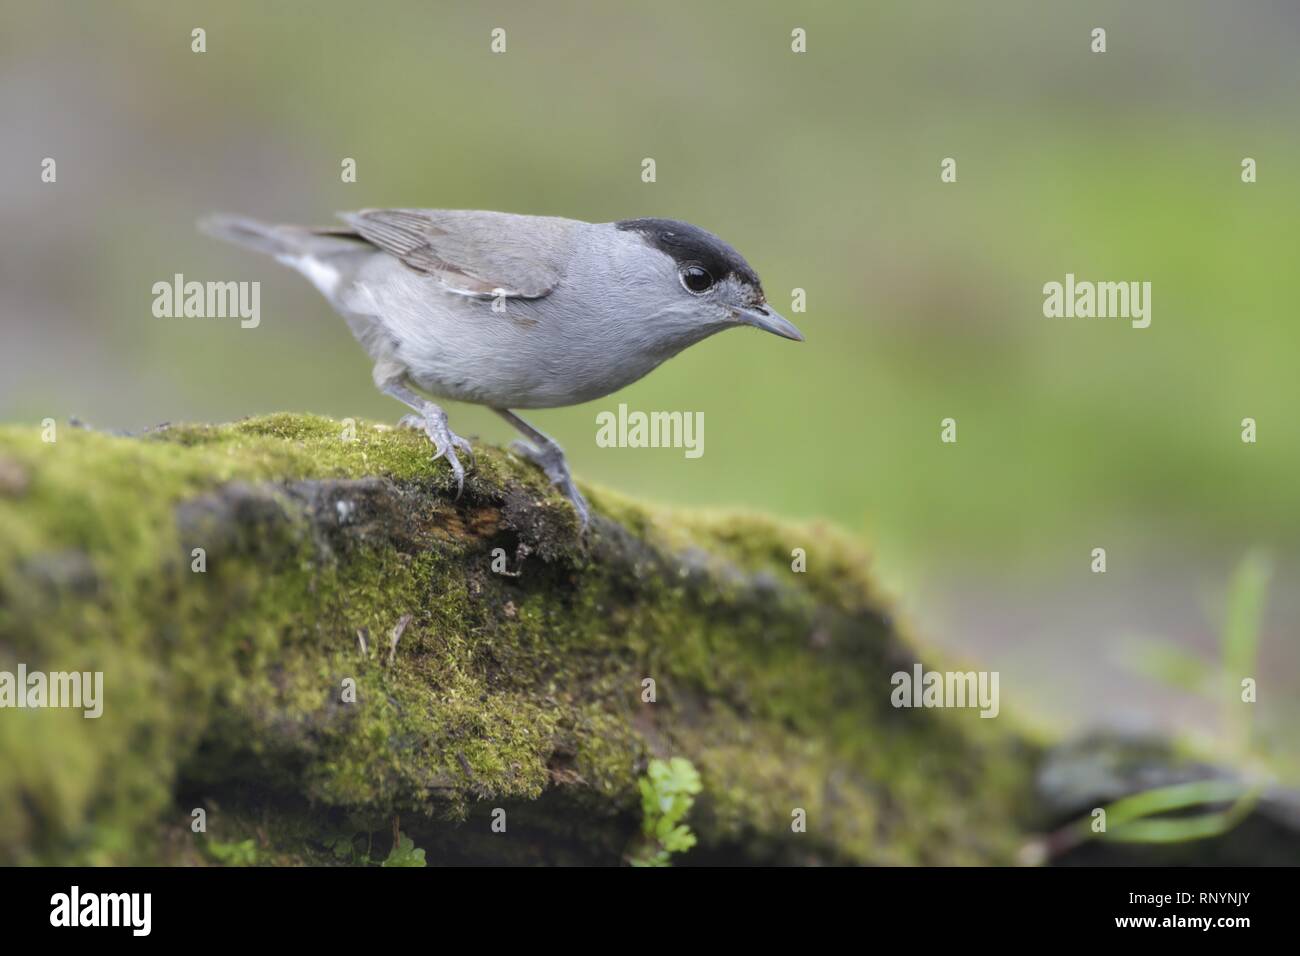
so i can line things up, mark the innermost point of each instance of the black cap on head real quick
(691, 244)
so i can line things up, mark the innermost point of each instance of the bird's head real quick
(702, 280)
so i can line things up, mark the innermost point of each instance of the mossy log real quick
(329, 557)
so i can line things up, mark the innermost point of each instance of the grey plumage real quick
(515, 311)
(475, 252)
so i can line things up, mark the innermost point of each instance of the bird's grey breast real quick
(591, 332)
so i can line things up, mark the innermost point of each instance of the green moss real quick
(225, 689)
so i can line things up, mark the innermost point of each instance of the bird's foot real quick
(432, 420)
(550, 459)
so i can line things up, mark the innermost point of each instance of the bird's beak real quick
(765, 318)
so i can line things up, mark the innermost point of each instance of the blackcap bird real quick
(515, 311)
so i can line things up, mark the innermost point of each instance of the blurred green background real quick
(924, 299)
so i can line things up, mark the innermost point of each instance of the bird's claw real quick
(551, 460)
(433, 422)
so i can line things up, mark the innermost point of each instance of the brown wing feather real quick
(475, 253)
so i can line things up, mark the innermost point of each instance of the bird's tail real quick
(317, 253)
(277, 240)
(263, 236)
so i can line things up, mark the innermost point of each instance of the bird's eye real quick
(696, 280)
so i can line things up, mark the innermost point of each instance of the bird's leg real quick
(548, 456)
(432, 420)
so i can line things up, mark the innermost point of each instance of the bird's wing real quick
(474, 253)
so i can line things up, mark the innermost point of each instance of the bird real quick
(514, 311)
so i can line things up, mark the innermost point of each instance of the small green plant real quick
(343, 847)
(667, 793)
(242, 853)
(1219, 681)
(1141, 817)
(353, 845)
(404, 853)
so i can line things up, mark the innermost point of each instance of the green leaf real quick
(666, 798)
(405, 853)
(1173, 665)
(1129, 820)
(243, 853)
(1245, 608)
